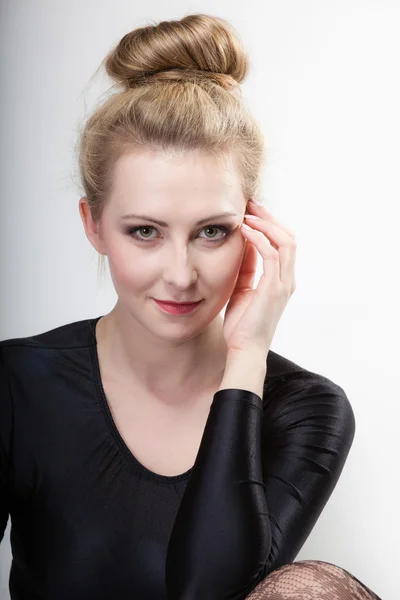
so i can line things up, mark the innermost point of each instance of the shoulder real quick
(72, 334)
(21, 356)
(299, 398)
(283, 373)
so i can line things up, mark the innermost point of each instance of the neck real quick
(175, 373)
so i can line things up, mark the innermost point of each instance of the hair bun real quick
(196, 48)
(175, 74)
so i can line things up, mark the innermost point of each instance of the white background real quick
(324, 85)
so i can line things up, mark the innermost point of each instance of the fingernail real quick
(252, 217)
(254, 201)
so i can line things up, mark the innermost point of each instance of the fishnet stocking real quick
(311, 580)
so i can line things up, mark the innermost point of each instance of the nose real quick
(179, 269)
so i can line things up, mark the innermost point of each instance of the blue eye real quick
(133, 233)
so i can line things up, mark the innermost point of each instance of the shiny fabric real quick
(88, 520)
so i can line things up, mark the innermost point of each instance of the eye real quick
(225, 230)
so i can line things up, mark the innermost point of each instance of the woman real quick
(163, 451)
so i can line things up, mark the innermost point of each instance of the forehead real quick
(150, 176)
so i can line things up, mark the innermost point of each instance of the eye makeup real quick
(226, 230)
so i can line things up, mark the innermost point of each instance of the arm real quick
(235, 525)
(245, 372)
(307, 432)
(221, 536)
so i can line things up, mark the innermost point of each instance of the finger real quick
(260, 211)
(277, 237)
(247, 271)
(287, 259)
(270, 256)
(283, 245)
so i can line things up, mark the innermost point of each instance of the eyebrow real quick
(163, 224)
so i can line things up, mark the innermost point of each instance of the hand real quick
(252, 316)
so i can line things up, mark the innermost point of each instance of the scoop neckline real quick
(110, 420)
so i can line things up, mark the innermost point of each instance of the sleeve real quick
(5, 444)
(308, 430)
(263, 474)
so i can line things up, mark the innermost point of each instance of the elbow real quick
(347, 421)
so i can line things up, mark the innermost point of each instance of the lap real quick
(307, 580)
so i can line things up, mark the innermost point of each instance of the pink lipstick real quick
(177, 309)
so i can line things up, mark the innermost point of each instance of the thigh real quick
(311, 580)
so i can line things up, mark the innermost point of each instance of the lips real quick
(178, 303)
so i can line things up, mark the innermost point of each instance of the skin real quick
(164, 353)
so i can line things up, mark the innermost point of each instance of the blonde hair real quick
(177, 86)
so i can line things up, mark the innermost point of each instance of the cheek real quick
(220, 273)
(126, 267)
(123, 273)
(225, 268)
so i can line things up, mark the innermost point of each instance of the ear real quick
(92, 229)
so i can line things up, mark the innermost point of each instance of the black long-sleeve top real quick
(88, 520)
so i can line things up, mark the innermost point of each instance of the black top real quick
(88, 520)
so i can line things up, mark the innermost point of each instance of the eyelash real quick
(227, 231)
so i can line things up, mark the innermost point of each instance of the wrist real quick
(246, 371)
(249, 357)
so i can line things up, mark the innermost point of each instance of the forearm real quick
(222, 534)
(245, 371)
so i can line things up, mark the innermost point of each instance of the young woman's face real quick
(181, 260)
